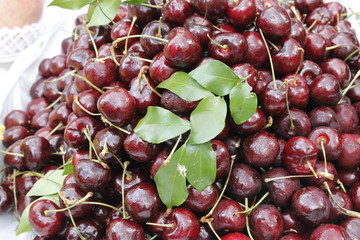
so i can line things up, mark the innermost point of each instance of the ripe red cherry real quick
(235, 236)
(177, 11)
(117, 105)
(241, 13)
(210, 8)
(123, 29)
(350, 155)
(45, 225)
(352, 227)
(121, 229)
(329, 232)
(274, 22)
(36, 150)
(256, 51)
(203, 200)
(325, 90)
(101, 72)
(6, 198)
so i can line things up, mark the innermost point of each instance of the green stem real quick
(115, 42)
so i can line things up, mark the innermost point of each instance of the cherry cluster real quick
(290, 172)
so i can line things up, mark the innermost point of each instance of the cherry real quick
(175, 104)
(244, 181)
(142, 201)
(291, 236)
(324, 116)
(77, 58)
(273, 98)
(310, 70)
(37, 89)
(17, 118)
(130, 66)
(228, 47)
(292, 223)
(330, 139)
(350, 155)
(339, 69)
(299, 153)
(185, 225)
(349, 177)
(298, 31)
(227, 218)
(74, 133)
(257, 156)
(117, 105)
(57, 64)
(160, 69)
(295, 123)
(315, 47)
(266, 222)
(274, 22)
(210, 9)
(24, 184)
(139, 149)
(280, 189)
(143, 14)
(88, 228)
(348, 117)
(223, 158)
(256, 50)
(253, 125)
(73, 192)
(351, 226)
(100, 34)
(200, 201)
(235, 236)
(22, 202)
(319, 16)
(101, 72)
(241, 13)
(158, 161)
(51, 90)
(59, 116)
(122, 29)
(6, 198)
(307, 6)
(11, 135)
(36, 150)
(341, 198)
(177, 11)
(121, 12)
(354, 194)
(134, 176)
(91, 176)
(124, 229)
(82, 40)
(246, 71)
(312, 205)
(325, 90)
(183, 48)
(329, 231)
(44, 68)
(346, 42)
(326, 173)
(45, 225)
(111, 139)
(88, 100)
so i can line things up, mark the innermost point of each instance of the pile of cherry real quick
(289, 172)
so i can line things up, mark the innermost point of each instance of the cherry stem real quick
(153, 237)
(75, 226)
(352, 54)
(101, 204)
(143, 77)
(165, 225)
(340, 45)
(345, 211)
(324, 156)
(113, 55)
(213, 230)
(270, 122)
(167, 160)
(293, 9)
(270, 58)
(159, 28)
(266, 180)
(115, 42)
(312, 169)
(69, 203)
(357, 75)
(311, 26)
(247, 220)
(62, 77)
(126, 164)
(223, 47)
(341, 185)
(151, 5)
(11, 153)
(273, 45)
(127, 40)
(60, 124)
(248, 210)
(92, 148)
(292, 126)
(16, 211)
(76, 100)
(92, 40)
(113, 125)
(89, 82)
(53, 103)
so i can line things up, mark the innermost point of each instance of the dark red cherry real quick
(223, 158)
(330, 139)
(298, 153)
(185, 225)
(325, 90)
(298, 31)
(121, 229)
(306, 6)
(342, 199)
(349, 177)
(281, 189)
(200, 27)
(246, 71)
(22, 202)
(347, 116)
(17, 118)
(324, 116)
(273, 98)
(291, 236)
(139, 149)
(315, 47)
(44, 68)
(292, 221)
(210, 9)
(227, 217)
(133, 177)
(200, 201)
(294, 123)
(241, 13)
(352, 227)
(177, 105)
(319, 16)
(37, 88)
(327, 174)
(131, 65)
(88, 100)
(354, 195)
(346, 42)
(13, 161)
(350, 155)
(312, 205)
(36, 150)
(59, 115)
(310, 70)
(235, 236)
(339, 69)
(256, 51)
(177, 11)
(183, 48)
(232, 47)
(73, 192)
(88, 228)
(91, 176)
(143, 14)
(24, 184)
(266, 222)
(117, 105)
(329, 232)
(111, 139)
(122, 29)
(77, 58)
(101, 72)
(6, 198)
(57, 64)
(253, 125)
(11, 135)
(45, 225)
(160, 69)
(274, 22)
(74, 131)
(142, 201)
(244, 181)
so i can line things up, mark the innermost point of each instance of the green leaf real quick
(159, 125)
(185, 87)
(104, 12)
(170, 180)
(49, 184)
(207, 120)
(68, 167)
(70, 4)
(135, 2)
(215, 76)
(243, 103)
(201, 165)
(24, 224)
